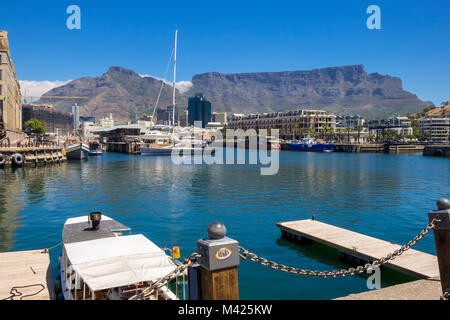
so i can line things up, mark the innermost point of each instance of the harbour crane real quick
(25, 97)
(51, 97)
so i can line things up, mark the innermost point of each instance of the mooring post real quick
(218, 264)
(442, 241)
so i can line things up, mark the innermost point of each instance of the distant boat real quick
(95, 149)
(310, 145)
(77, 151)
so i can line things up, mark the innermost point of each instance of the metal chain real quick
(335, 273)
(46, 250)
(445, 296)
(166, 279)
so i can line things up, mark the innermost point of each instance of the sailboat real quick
(177, 145)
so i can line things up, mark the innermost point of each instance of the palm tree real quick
(359, 129)
(324, 131)
(295, 127)
(348, 130)
(338, 131)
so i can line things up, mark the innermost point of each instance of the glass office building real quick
(199, 109)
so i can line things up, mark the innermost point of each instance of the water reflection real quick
(383, 196)
(10, 206)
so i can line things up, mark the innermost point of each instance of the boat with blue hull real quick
(310, 145)
(95, 149)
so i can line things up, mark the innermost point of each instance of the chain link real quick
(166, 279)
(336, 273)
(445, 296)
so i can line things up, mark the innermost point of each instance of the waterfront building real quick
(287, 122)
(402, 125)
(183, 118)
(199, 109)
(107, 122)
(87, 129)
(162, 117)
(220, 117)
(76, 117)
(10, 97)
(350, 122)
(57, 122)
(436, 129)
(170, 116)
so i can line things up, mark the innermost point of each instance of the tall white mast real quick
(174, 80)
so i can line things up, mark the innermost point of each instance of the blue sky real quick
(231, 37)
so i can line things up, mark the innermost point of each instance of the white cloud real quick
(182, 86)
(38, 88)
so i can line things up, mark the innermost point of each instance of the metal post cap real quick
(443, 204)
(216, 230)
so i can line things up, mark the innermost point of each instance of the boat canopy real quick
(118, 261)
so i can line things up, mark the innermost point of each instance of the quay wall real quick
(378, 148)
(437, 151)
(31, 155)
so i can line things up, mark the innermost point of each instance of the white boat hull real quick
(168, 151)
(77, 152)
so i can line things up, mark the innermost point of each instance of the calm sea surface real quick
(385, 196)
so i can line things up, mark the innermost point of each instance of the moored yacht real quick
(99, 262)
(310, 145)
(95, 149)
(77, 151)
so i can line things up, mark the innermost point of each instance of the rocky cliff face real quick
(342, 90)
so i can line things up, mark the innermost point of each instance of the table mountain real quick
(342, 90)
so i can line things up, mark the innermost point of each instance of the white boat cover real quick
(118, 261)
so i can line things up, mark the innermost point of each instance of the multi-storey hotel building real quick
(287, 122)
(435, 128)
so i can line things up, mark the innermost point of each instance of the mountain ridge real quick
(341, 90)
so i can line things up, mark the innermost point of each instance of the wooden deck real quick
(412, 262)
(425, 289)
(26, 268)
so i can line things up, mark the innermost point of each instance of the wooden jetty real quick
(412, 262)
(425, 289)
(30, 269)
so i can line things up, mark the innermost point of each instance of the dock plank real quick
(415, 263)
(25, 268)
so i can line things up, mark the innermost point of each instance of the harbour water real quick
(381, 195)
